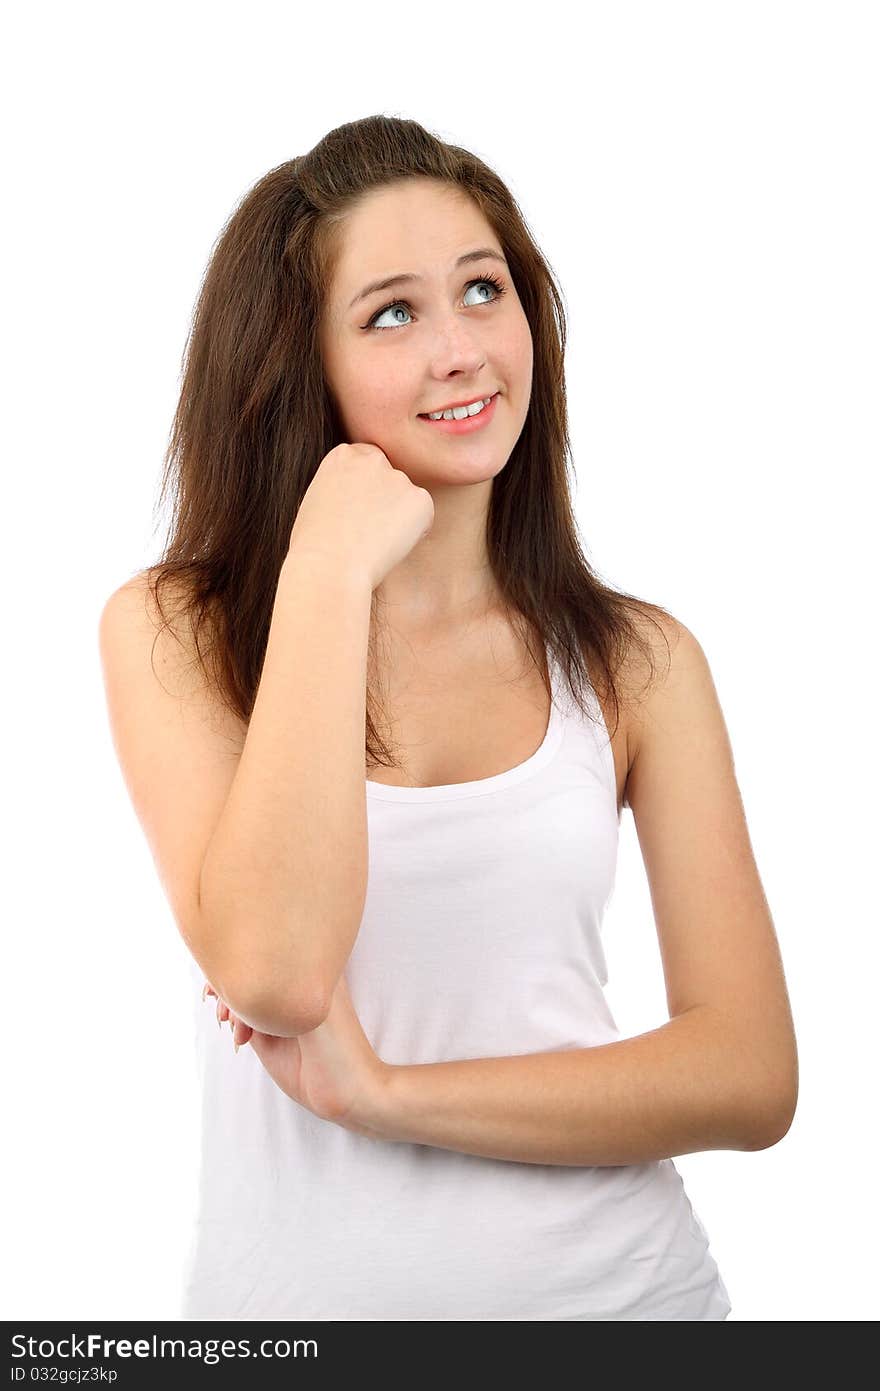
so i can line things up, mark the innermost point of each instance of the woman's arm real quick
(683, 1087)
(285, 874)
(722, 1073)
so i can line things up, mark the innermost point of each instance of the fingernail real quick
(236, 1046)
(204, 991)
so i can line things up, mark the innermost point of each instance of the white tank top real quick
(481, 937)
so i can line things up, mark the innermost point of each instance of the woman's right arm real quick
(259, 829)
(284, 878)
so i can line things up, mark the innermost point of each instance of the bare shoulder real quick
(134, 609)
(142, 623)
(138, 611)
(667, 666)
(177, 742)
(644, 666)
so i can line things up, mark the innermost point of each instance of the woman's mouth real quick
(467, 424)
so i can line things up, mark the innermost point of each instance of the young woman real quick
(384, 795)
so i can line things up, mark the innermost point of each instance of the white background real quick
(702, 178)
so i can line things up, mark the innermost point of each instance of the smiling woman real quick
(461, 336)
(435, 1115)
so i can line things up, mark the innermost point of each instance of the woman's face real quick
(446, 336)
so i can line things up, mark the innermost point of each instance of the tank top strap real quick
(573, 725)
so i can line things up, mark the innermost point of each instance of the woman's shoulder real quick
(661, 644)
(161, 610)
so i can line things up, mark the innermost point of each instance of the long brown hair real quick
(255, 418)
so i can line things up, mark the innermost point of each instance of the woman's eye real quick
(400, 307)
(392, 309)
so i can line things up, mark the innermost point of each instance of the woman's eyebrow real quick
(375, 285)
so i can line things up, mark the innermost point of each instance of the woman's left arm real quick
(722, 1073)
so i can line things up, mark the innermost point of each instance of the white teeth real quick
(459, 412)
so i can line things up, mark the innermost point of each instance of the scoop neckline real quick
(481, 787)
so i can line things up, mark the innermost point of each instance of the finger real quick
(207, 989)
(241, 1033)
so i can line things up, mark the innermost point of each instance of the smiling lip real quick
(452, 405)
(468, 423)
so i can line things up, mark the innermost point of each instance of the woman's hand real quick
(241, 1032)
(333, 1070)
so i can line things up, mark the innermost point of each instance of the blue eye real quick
(497, 287)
